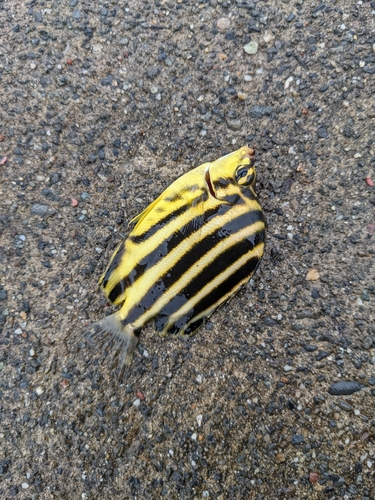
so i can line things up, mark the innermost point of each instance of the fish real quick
(188, 253)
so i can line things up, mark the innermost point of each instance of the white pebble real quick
(251, 48)
(137, 402)
(288, 81)
(39, 390)
(199, 420)
(194, 436)
(288, 368)
(18, 331)
(98, 249)
(268, 37)
(199, 379)
(25, 486)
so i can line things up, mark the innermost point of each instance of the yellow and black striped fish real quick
(189, 252)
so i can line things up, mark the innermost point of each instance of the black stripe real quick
(220, 263)
(139, 238)
(222, 183)
(154, 229)
(230, 284)
(118, 290)
(112, 266)
(196, 252)
(174, 198)
(155, 255)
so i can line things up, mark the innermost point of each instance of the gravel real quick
(101, 107)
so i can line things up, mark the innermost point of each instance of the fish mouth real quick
(250, 153)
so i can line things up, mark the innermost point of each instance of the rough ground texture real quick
(102, 105)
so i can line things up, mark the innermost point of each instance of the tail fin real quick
(120, 338)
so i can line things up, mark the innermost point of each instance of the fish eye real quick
(245, 175)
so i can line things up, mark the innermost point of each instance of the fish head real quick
(230, 175)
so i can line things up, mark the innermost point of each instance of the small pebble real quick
(345, 406)
(223, 23)
(251, 48)
(39, 209)
(313, 477)
(312, 275)
(367, 342)
(39, 390)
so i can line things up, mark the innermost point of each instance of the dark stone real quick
(322, 132)
(310, 347)
(297, 439)
(260, 111)
(344, 388)
(153, 72)
(107, 81)
(321, 355)
(92, 158)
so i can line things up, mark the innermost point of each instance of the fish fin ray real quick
(138, 218)
(111, 332)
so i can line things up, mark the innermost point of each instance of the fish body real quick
(189, 252)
